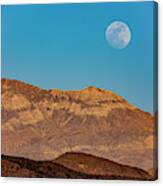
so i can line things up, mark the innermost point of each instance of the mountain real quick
(70, 165)
(44, 124)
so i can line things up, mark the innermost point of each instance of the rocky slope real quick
(44, 124)
(70, 165)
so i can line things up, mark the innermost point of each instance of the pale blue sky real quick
(64, 46)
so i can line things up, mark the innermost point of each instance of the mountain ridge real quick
(87, 90)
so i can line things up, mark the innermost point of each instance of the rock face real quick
(70, 165)
(44, 124)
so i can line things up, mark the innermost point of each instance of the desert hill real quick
(44, 124)
(93, 165)
(96, 168)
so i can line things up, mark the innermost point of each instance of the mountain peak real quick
(91, 92)
(92, 88)
(18, 85)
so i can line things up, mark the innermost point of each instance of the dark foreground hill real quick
(93, 165)
(72, 166)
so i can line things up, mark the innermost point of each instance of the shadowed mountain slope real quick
(93, 165)
(101, 169)
(44, 124)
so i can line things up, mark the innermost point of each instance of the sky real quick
(63, 46)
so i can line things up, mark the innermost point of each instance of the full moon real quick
(118, 34)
